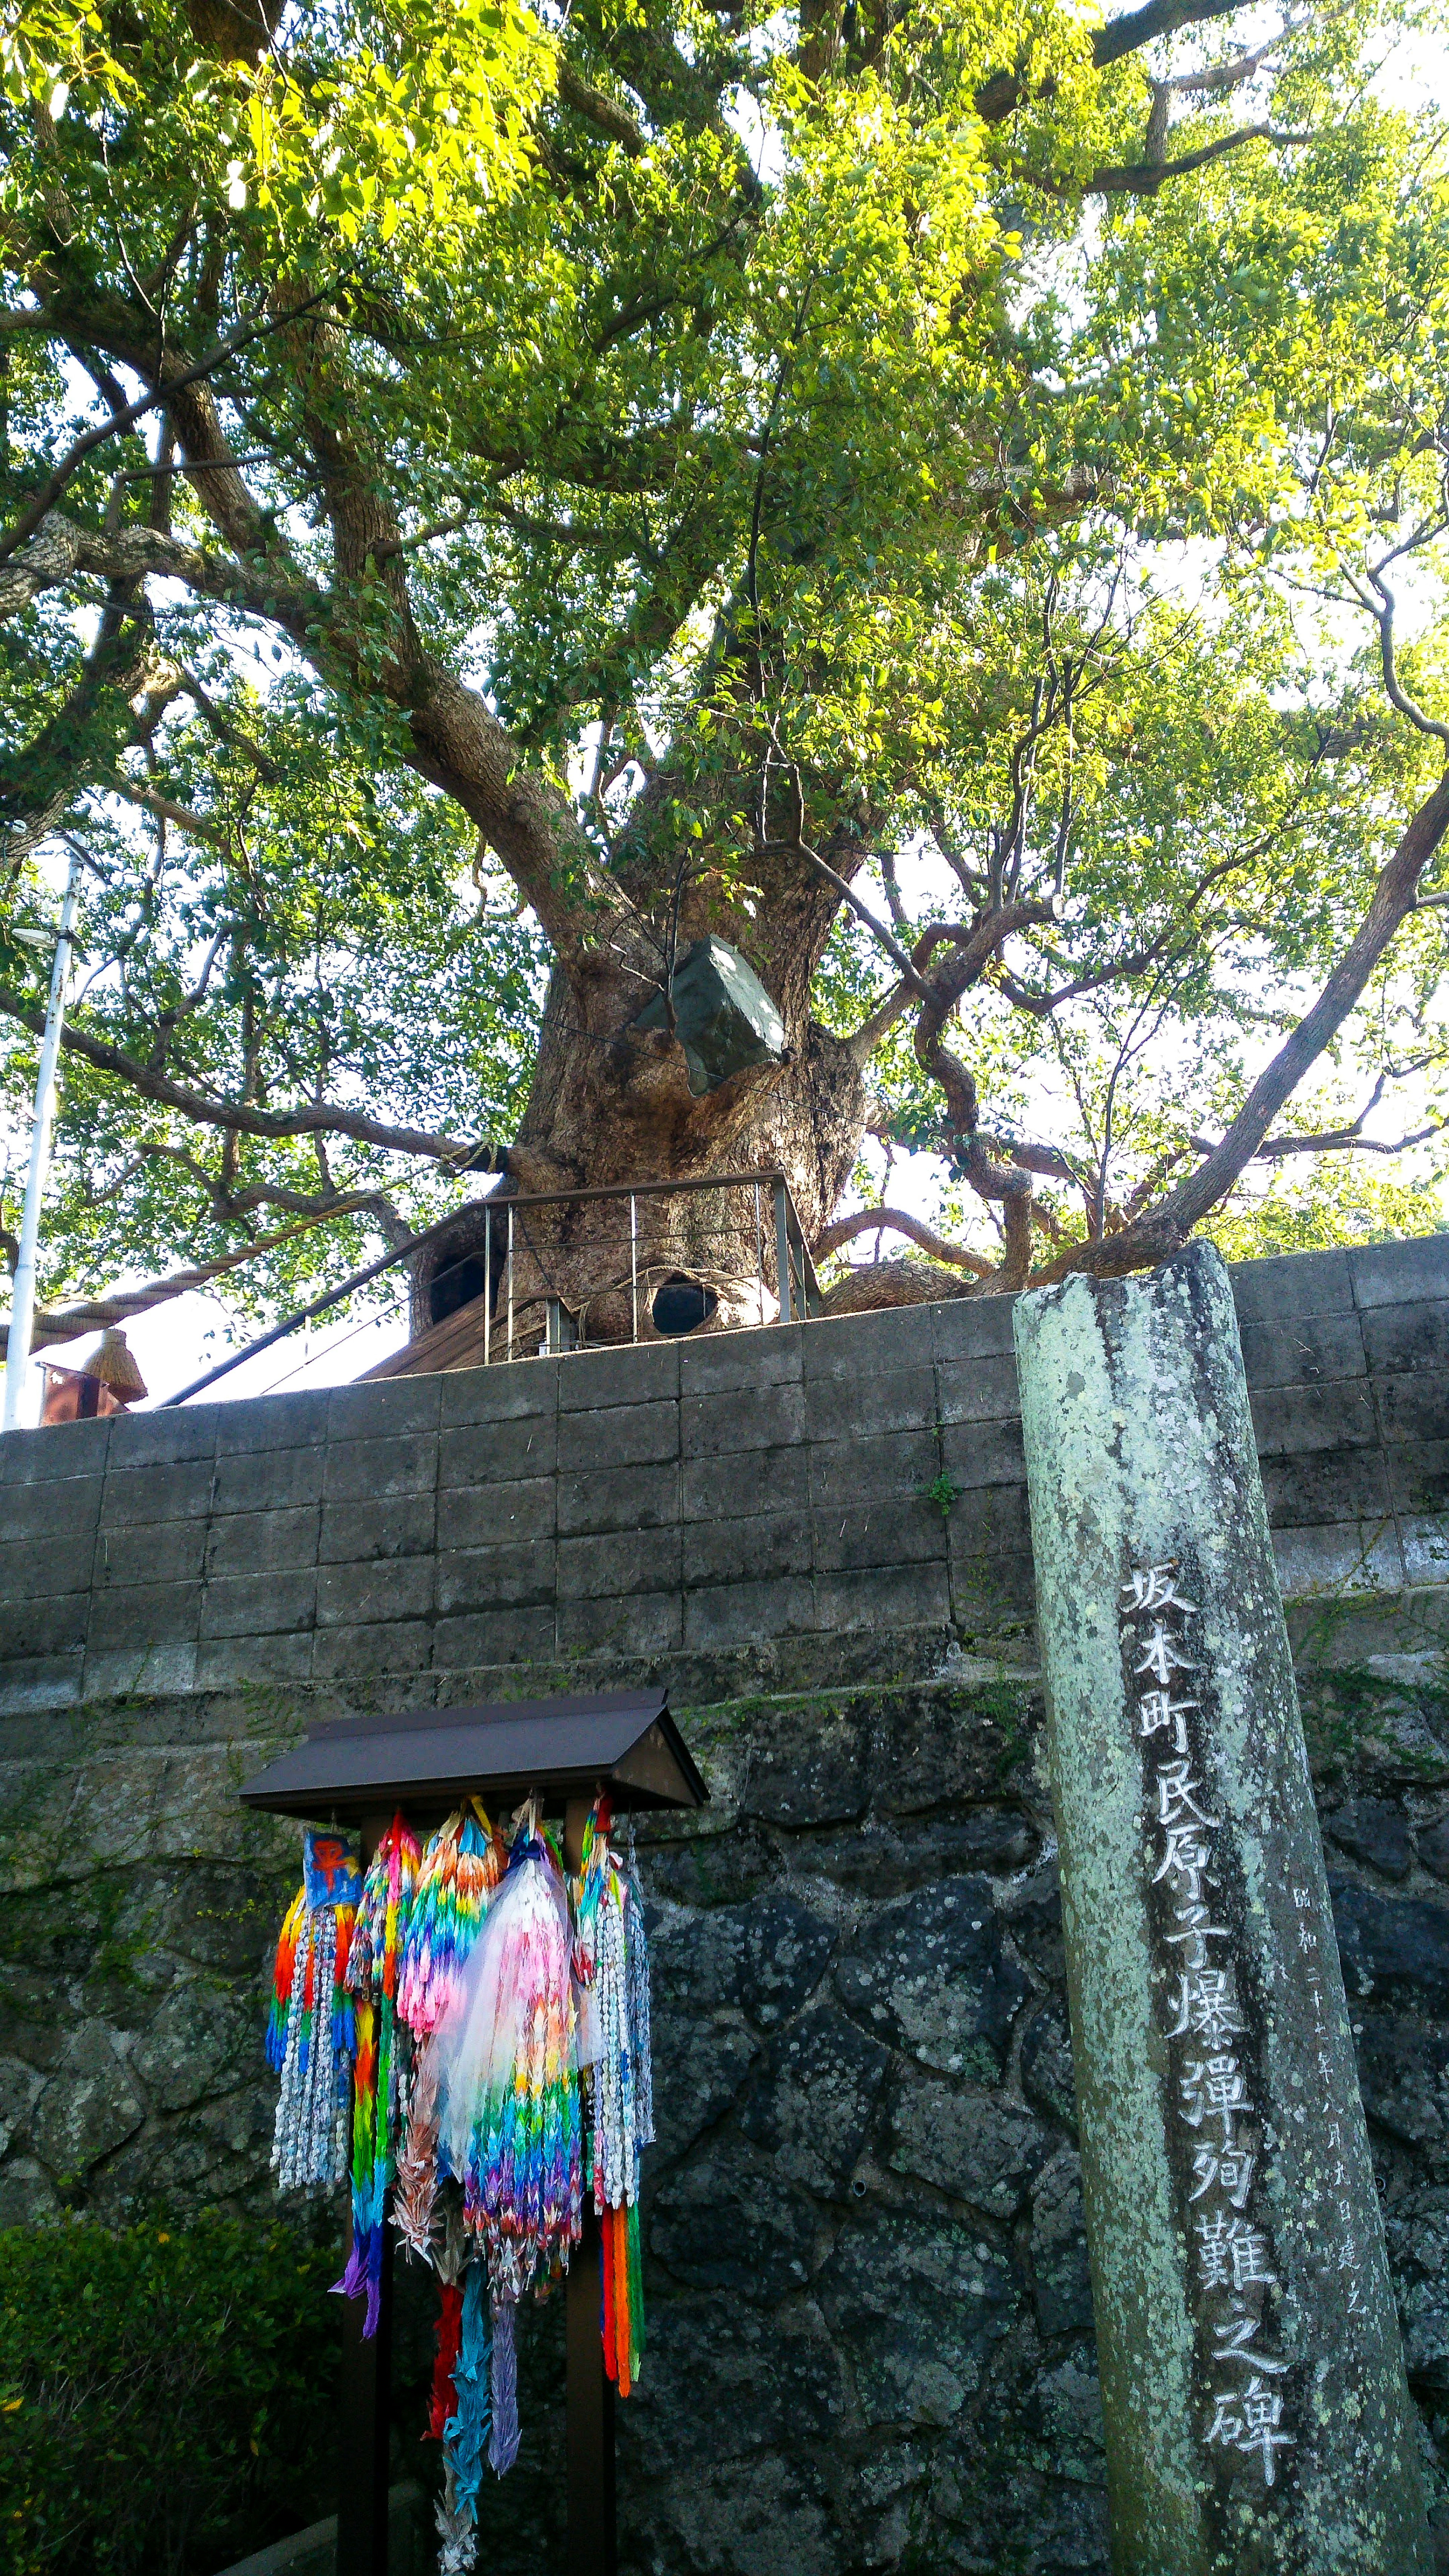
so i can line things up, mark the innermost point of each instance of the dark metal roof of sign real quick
(352, 1765)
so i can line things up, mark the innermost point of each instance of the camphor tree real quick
(492, 500)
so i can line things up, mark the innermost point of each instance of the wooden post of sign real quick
(365, 2393)
(593, 2548)
(363, 2443)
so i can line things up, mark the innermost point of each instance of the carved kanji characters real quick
(1250, 2421)
(1227, 2423)
(1207, 2007)
(1214, 2251)
(1250, 2252)
(1262, 2416)
(1157, 1709)
(1230, 2169)
(1178, 1794)
(1160, 1656)
(1153, 1587)
(1185, 1857)
(1231, 2254)
(1234, 2341)
(1193, 1942)
(1212, 2089)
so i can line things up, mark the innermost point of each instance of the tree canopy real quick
(924, 496)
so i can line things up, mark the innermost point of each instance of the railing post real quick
(634, 1259)
(488, 1291)
(782, 1248)
(760, 1251)
(508, 1354)
(809, 1284)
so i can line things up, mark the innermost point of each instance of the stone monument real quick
(1257, 2414)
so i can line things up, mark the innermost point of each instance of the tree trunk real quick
(611, 1107)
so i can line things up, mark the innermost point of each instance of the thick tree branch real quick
(324, 1118)
(151, 801)
(456, 740)
(43, 501)
(1145, 178)
(44, 777)
(1340, 1140)
(843, 1229)
(1138, 27)
(1393, 901)
(228, 1204)
(913, 982)
(999, 97)
(1216, 78)
(1163, 1228)
(62, 548)
(975, 946)
(600, 111)
(1379, 600)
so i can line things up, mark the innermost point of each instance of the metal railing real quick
(775, 1224)
(798, 1288)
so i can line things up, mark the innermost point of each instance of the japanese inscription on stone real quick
(1230, 2253)
(1255, 2408)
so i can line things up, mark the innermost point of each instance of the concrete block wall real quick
(786, 1491)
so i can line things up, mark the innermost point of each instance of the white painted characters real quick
(1250, 2421)
(1231, 2255)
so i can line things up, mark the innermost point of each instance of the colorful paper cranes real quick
(485, 2019)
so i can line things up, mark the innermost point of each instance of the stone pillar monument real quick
(1257, 2414)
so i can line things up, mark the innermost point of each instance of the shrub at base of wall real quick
(167, 2394)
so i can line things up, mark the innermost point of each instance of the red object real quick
(448, 2336)
(72, 1395)
(615, 2320)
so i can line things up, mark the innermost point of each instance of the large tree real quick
(921, 497)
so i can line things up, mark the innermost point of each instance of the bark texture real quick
(610, 1107)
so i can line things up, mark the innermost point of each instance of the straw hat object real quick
(112, 1363)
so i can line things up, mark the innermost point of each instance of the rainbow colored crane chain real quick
(309, 2043)
(460, 1868)
(526, 1998)
(523, 2185)
(372, 1975)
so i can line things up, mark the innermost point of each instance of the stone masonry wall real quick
(870, 2319)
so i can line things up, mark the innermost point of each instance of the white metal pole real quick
(22, 1302)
